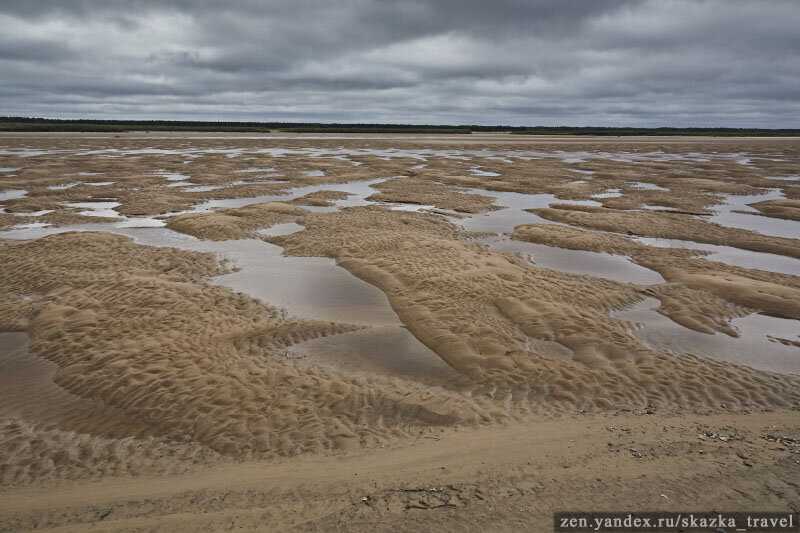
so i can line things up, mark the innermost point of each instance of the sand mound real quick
(320, 198)
(697, 308)
(481, 311)
(702, 295)
(788, 208)
(152, 202)
(772, 299)
(668, 226)
(237, 223)
(31, 453)
(416, 191)
(129, 327)
(7, 220)
(573, 238)
(27, 391)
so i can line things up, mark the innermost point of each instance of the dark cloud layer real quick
(530, 62)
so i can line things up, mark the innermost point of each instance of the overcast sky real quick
(519, 62)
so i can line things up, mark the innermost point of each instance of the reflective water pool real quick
(734, 212)
(753, 347)
(601, 265)
(732, 256)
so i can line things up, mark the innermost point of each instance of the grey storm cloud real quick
(534, 62)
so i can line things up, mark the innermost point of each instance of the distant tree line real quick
(612, 131)
(93, 125)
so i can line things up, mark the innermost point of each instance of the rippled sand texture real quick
(123, 358)
(132, 328)
(479, 311)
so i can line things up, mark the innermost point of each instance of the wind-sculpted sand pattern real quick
(668, 226)
(234, 223)
(479, 311)
(771, 293)
(126, 359)
(135, 328)
(788, 209)
(425, 192)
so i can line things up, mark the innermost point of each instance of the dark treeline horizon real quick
(33, 124)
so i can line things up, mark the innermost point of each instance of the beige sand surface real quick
(668, 226)
(415, 191)
(136, 394)
(236, 223)
(187, 361)
(492, 479)
(689, 274)
(320, 198)
(477, 309)
(789, 208)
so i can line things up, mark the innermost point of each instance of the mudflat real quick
(336, 332)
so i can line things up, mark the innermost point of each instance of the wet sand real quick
(182, 307)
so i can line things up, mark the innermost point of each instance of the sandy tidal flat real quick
(461, 331)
